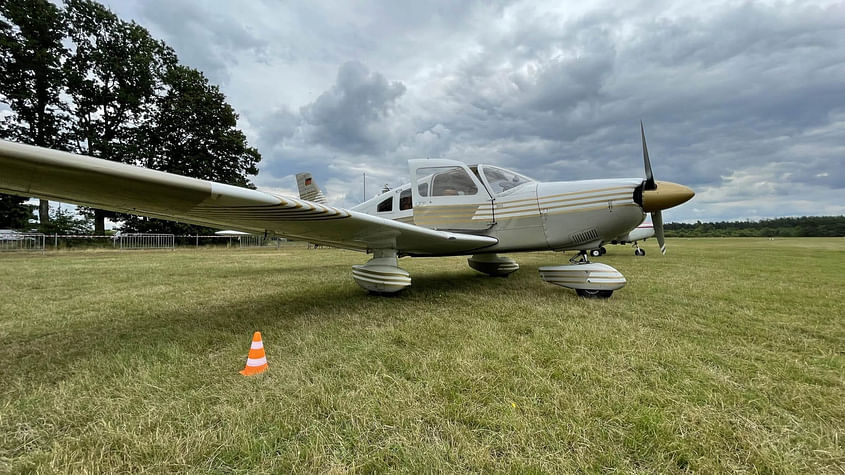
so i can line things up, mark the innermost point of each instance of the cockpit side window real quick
(501, 180)
(405, 201)
(451, 181)
(386, 205)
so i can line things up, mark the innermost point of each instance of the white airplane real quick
(640, 233)
(448, 209)
(309, 190)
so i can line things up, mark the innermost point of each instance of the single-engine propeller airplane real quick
(449, 208)
(642, 232)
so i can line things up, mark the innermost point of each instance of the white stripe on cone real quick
(256, 345)
(256, 362)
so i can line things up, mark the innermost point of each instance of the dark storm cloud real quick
(204, 37)
(350, 117)
(714, 92)
(278, 126)
(741, 100)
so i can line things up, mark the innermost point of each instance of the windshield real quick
(501, 180)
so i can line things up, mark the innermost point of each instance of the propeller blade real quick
(657, 221)
(649, 177)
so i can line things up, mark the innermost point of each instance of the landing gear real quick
(599, 251)
(493, 264)
(639, 251)
(594, 294)
(382, 275)
(580, 258)
(589, 280)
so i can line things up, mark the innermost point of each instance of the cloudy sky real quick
(742, 101)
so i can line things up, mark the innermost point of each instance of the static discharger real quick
(256, 362)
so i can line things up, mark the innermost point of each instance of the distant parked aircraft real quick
(640, 233)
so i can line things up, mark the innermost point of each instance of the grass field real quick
(725, 355)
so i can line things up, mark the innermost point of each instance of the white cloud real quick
(741, 100)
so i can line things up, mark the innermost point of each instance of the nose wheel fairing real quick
(589, 279)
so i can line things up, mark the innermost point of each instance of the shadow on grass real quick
(47, 356)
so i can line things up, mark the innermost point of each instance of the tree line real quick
(805, 226)
(78, 78)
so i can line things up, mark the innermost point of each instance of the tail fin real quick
(308, 189)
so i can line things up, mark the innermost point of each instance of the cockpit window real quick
(405, 200)
(501, 180)
(386, 205)
(450, 181)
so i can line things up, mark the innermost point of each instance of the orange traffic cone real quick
(256, 362)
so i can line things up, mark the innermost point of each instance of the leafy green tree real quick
(120, 95)
(14, 213)
(113, 73)
(67, 222)
(804, 226)
(140, 224)
(31, 79)
(194, 133)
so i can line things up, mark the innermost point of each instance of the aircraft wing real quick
(44, 173)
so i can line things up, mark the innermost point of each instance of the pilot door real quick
(448, 195)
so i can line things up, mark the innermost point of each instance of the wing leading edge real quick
(44, 173)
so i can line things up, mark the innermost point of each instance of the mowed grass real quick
(724, 355)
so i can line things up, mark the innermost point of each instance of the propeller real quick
(649, 176)
(659, 195)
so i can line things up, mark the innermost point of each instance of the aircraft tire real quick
(594, 294)
(639, 252)
(603, 250)
(595, 252)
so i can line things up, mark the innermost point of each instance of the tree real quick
(66, 222)
(193, 133)
(31, 79)
(14, 213)
(115, 93)
(112, 74)
(140, 224)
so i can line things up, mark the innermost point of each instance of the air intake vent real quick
(586, 236)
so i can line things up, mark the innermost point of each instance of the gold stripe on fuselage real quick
(585, 192)
(594, 208)
(619, 196)
(605, 197)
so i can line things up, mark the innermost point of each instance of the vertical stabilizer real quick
(308, 189)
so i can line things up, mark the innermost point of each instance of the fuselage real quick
(528, 216)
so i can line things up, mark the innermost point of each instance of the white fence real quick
(251, 241)
(22, 242)
(144, 241)
(14, 241)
